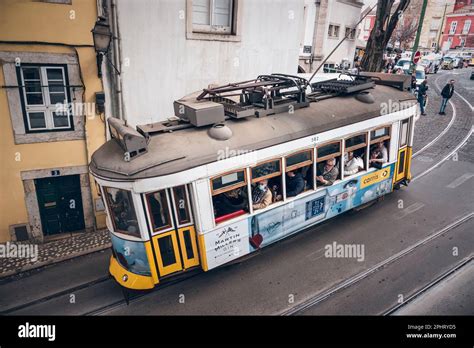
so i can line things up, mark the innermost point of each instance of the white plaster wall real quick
(161, 65)
(344, 15)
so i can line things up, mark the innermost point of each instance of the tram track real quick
(56, 295)
(464, 262)
(445, 130)
(437, 138)
(320, 297)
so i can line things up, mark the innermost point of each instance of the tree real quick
(404, 33)
(386, 20)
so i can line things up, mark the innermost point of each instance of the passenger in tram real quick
(378, 155)
(231, 201)
(353, 164)
(327, 172)
(261, 195)
(294, 183)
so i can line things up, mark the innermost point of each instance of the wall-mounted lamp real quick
(102, 37)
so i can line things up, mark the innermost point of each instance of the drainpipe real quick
(117, 56)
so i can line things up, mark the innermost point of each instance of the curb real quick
(53, 261)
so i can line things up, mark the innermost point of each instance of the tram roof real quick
(188, 148)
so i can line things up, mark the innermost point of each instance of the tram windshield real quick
(122, 211)
(131, 255)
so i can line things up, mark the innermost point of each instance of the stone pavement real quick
(38, 255)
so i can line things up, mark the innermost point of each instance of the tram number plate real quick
(314, 207)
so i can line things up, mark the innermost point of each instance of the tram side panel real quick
(233, 240)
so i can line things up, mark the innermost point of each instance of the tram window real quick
(328, 163)
(404, 133)
(380, 134)
(227, 181)
(266, 184)
(122, 211)
(299, 173)
(379, 154)
(181, 204)
(355, 154)
(379, 145)
(159, 211)
(229, 195)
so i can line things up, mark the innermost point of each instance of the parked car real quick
(447, 63)
(458, 62)
(431, 65)
(403, 64)
(420, 75)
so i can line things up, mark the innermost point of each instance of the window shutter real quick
(201, 12)
(222, 13)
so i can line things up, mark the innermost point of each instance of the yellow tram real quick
(187, 193)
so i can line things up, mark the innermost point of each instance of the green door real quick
(60, 204)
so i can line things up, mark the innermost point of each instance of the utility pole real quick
(441, 28)
(418, 33)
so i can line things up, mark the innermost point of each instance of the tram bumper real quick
(128, 279)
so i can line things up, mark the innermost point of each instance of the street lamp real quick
(102, 37)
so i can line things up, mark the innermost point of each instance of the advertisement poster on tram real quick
(227, 243)
(280, 222)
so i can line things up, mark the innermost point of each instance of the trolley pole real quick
(418, 33)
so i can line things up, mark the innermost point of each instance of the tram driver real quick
(327, 172)
(261, 195)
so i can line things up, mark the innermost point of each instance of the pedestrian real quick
(413, 83)
(446, 93)
(422, 95)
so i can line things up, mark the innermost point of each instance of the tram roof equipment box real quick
(199, 112)
(131, 141)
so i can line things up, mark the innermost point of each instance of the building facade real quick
(458, 30)
(435, 18)
(332, 21)
(167, 49)
(49, 125)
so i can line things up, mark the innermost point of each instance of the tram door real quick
(401, 171)
(174, 235)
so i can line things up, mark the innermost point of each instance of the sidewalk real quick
(56, 251)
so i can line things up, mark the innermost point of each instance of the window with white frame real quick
(367, 24)
(213, 16)
(467, 26)
(452, 29)
(350, 33)
(44, 97)
(333, 31)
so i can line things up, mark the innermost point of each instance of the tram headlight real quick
(125, 277)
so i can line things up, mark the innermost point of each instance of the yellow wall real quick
(26, 20)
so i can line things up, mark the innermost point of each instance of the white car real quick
(420, 75)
